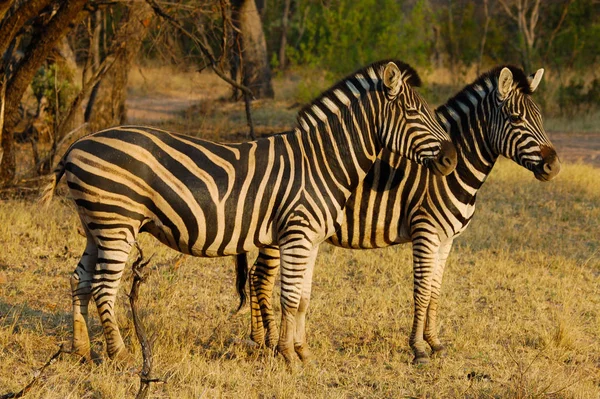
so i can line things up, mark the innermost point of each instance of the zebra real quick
(209, 199)
(400, 201)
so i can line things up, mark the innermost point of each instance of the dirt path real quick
(578, 147)
(148, 110)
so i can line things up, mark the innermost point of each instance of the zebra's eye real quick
(412, 112)
(516, 118)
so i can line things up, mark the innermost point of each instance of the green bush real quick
(56, 85)
(349, 34)
(575, 97)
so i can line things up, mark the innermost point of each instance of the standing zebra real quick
(208, 199)
(400, 201)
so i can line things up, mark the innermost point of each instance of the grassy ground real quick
(520, 309)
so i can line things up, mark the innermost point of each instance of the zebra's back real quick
(187, 192)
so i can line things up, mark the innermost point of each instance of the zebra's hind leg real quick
(425, 249)
(431, 330)
(112, 256)
(296, 259)
(262, 279)
(81, 290)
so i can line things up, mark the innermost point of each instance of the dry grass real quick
(520, 309)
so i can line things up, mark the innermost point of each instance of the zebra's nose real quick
(552, 168)
(550, 165)
(448, 154)
(551, 162)
(447, 159)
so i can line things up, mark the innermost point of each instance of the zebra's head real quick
(409, 125)
(518, 132)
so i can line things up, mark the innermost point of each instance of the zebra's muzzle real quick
(446, 161)
(549, 168)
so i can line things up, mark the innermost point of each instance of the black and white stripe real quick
(400, 201)
(209, 199)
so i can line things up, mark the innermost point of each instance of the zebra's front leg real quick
(431, 330)
(262, 279)
(425, 249)
(296, 259)
(81, 291)
(300, 345)
(107, 276)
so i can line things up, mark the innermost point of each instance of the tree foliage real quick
(341, 35)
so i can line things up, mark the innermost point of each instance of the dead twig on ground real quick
(138, 278)
(36, 376)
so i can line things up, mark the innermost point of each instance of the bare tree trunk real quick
(106, 106)
(484, 37)
(256, 74)
(284, 32)
(39, 49)
(452, 44)
(4, 6)
(93, 57)
(526, 17)
(13, 23)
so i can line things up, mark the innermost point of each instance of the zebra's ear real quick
(505, 82)
(535, 79)
(392, 79)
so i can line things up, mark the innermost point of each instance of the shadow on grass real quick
(22, 317)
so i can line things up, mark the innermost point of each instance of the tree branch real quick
(203, 47)
(508, 10)
(138, 278)
(214, 64)
(563, 16)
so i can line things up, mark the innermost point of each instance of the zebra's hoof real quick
(83, 356)
(268, 351)
(303, 353)
(123, 359)
(86, 355)
(287, 354)
(421, 358)
(439, 351)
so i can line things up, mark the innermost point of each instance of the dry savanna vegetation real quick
(520, 308)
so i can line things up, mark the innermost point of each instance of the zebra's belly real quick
(215, 243)
(383, 236)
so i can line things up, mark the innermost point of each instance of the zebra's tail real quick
(241, 277)
(48, 191)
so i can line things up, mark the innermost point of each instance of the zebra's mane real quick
(492, 75)
(413, 80)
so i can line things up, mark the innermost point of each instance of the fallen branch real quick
(36, 377)
(138, 278)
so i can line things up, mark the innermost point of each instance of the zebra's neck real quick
(341, 128)
(466, 118)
